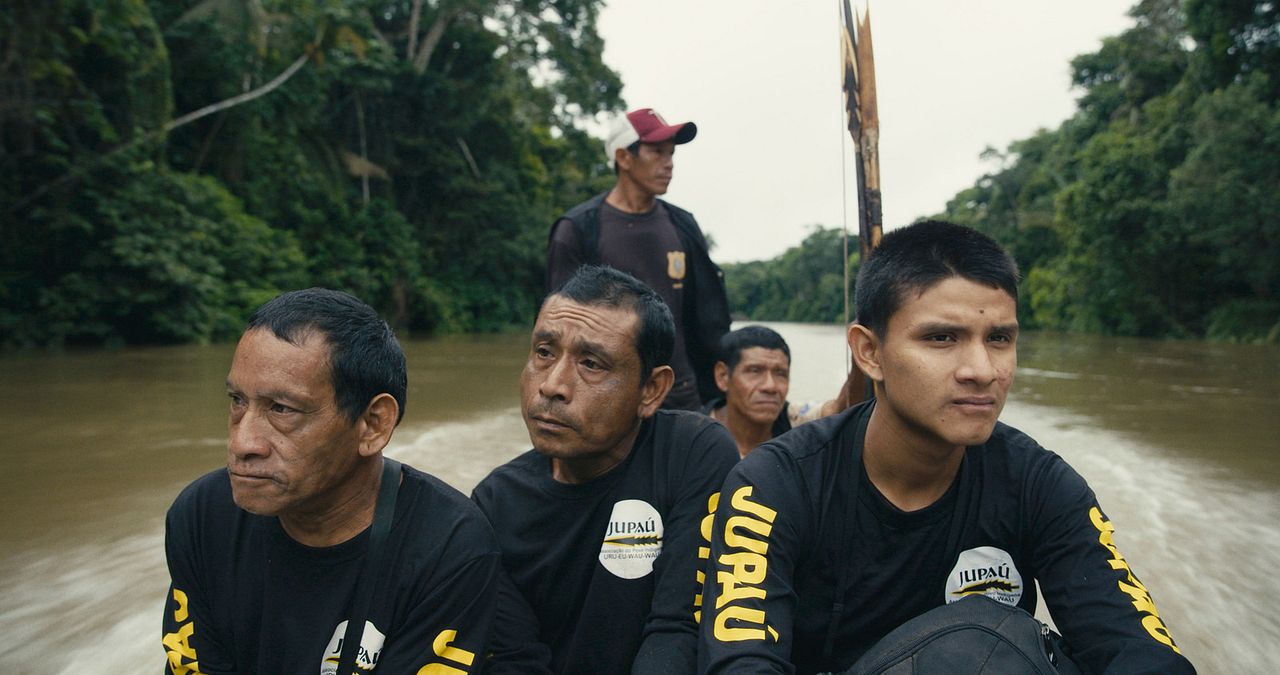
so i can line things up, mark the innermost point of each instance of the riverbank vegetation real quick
(167, 166)
(413, 153)
(805, 283)
(1154, 210)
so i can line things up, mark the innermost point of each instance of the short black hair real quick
(733, 342)
(634, 149)
(603, 285)
(913, 259)
(365, 359)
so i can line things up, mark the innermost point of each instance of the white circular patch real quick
(632, 540)
(988, 571)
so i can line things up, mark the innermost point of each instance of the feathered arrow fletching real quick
(864, 122)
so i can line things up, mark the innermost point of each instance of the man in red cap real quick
(630, 229)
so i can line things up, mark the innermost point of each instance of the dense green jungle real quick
(165, 167)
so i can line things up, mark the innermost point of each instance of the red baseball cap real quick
(647, 126)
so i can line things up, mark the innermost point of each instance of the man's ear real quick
(622, 158)
(654, 390)
(722, 376)
(866, 349)
(377, 422)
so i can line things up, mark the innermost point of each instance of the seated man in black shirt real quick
(601, 524)
(270, 558)
(754, 375)
(830, 536)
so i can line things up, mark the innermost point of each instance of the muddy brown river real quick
(1179, 439)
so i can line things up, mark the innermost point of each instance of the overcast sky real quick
(761, 78)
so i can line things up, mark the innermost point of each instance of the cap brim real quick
(680, 133)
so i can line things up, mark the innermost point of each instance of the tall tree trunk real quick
(433, 37)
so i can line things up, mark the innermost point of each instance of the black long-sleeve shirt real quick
(605, 575)
(247, 598)
(1015, 514)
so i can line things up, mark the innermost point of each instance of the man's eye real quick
(940, 337)
(1001, 337)
(591, 364)
(281, 408)
(542, 352)
(236, 400)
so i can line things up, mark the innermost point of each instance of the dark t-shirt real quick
(646, 246)
(246, 598)
(607, 572)
(1016, 514)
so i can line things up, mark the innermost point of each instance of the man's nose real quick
(246, 434)
(771, 383)
(978, 364)
(558, 380)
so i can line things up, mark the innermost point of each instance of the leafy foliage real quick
(805, 283)
(414, 153)
(1155, 209)
(416, 159)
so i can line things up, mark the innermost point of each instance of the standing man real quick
(830, 536)
(601, 524)
(630, 229)
(754, 375)
(309, 528)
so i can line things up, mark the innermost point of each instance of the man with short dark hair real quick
(754, 374)
(632, 230)
(600, 525)
(309, 528)
(832, 535)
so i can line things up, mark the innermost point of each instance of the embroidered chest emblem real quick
(632, 539)
(675, 265)
(988, 571)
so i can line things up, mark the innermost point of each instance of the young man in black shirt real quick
(601, 525)
(630, 229)
(267, 557)
(830, 536)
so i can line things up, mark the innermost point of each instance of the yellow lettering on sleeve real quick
(742, 503)
(724, 633)
(443, 647)
(177, 645)
(742, 569)
(180, 614)
(1130, 585)
(733, 539)
(713, 502)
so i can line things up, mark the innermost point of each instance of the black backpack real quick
(973, 635)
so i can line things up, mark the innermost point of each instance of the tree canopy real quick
(167, 166)
(1154, 210)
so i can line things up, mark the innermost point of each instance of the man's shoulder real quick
(684, 222)
(443, 519)
(579, 210)
(523, 469)
(1017, 450)
(436, 493)
(806, 455)
(1011, 457)
(815, 439)
(675, 211)
(207, 495)
(682, 432)
(684, 421)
